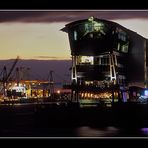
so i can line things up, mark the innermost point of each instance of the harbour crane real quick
(51, 83)
(6, 77)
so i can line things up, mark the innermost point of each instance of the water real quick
(86, 131)
(78, 132)
(105, 132)
(21, 121)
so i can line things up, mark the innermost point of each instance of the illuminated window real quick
(146, 92)
(97, 27)
(75, 35)
(88, 27)
(91, 28)
(118, 48)
(88, 82)
(124, 48)
(85, 60)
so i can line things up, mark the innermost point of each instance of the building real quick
(26, 89)
(107, 59)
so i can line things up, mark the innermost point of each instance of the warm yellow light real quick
(91, 18)
(85, 94)
(87, 59)
(91, 95)
(58, 91)
(82, 95)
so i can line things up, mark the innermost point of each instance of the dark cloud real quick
(45, 57)
(67, 16)
(49, 57)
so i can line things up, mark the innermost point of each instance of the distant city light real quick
(58, 91)
(146, 92)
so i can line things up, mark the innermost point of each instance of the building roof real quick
(110, 23)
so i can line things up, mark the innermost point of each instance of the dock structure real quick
(107, 59)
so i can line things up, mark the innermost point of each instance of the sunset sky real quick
(36, 34)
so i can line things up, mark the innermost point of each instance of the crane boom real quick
(6, 77)
(12, 68)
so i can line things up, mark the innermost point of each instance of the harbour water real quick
(54, 120)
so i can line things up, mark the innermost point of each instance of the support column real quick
(74, 80)
(145, 68)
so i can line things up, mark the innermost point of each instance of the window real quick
(124, 48)
(92, 29)
(118, 48)
(89, 60)
(75, 35)
(88, 27)
(94, 26)
(122, 36)
(104, 60)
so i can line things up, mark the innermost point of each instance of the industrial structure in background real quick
(6, 78)
(15, 84)
(109, 61)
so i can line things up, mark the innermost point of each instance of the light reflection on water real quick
(145, 131)
(87, 131)
(110, 131)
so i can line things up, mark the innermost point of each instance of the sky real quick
(35, 34)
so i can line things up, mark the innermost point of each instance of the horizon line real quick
(38, 59)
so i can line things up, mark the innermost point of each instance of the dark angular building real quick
(107, 59)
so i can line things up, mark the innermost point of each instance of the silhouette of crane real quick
(17, 75)
(51, 84)
(6, 77)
